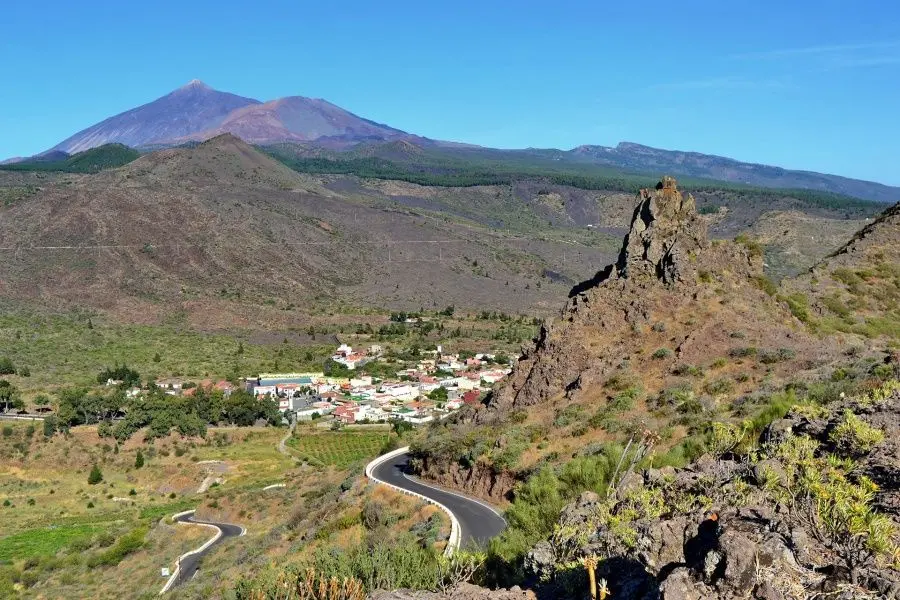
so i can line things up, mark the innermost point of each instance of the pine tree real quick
(95, 476)
(139, 459)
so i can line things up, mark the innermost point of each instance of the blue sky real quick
(800, 84)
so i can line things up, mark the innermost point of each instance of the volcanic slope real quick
(678, 332)
(193, 228)
(856, 290)
(670, 290)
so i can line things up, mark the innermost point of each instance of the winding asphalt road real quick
(478, 521)
(191, 564)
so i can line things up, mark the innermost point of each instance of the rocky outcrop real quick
(747, 542)
(480, 481)
(664, 261)
(665, 232)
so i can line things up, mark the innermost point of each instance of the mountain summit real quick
(181, 114)
(197, 112)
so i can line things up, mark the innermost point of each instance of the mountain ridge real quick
(196, 112)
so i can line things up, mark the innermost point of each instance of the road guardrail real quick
(454, 540)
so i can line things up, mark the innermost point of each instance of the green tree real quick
(49, 426)
(139, 459)
(95, 476)
(438, 394)
(9, 396)
(6, 366)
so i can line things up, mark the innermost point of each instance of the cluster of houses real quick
(431, 389)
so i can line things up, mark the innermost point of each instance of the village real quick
(420, 391)
(431, 388)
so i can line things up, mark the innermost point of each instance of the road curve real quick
(189, 564)
(478, 522)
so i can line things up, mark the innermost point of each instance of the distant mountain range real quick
(196, 112)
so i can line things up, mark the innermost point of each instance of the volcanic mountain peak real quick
(181, 113)
(195, 84)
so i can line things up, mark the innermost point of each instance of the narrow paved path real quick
(478, 521)
(190, 564)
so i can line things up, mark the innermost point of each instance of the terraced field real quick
(339, 449)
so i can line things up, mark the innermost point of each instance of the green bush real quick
(661, 353)
(686, 369)
(753, 247)
(798, 305)
(770, 357)
(568, 415)
(132, 542)
(744, 352)
(95, 476)
(765, 284)
(7, 367)
(718, 387)
(854, 437)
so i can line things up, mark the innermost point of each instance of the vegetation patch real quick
(338, 448)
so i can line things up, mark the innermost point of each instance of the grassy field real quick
(338, 449)
(69, 349)
(61, 350)
(45, 541)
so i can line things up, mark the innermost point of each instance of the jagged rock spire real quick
(665, 230)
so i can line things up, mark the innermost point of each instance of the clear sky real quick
(810, 84)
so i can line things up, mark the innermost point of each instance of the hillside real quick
(642, 158)
(220, 229)
(299, 119)
(427, 163)
(678, 353)
(677, 325)
(225, 233)
(107, 156)
(856, 289)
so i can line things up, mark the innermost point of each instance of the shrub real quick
(770, 357)
(744, 352)
(567, 416)
(854, 437)
(619, 382)
(798, 305)
(127, 544)
(686, 369)
(95, 476)
(661, 353)
(49, 426)
(139, 459)
(753, 247)
(624, 400)
(7, 367)
(765, 284)
(718, 387)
